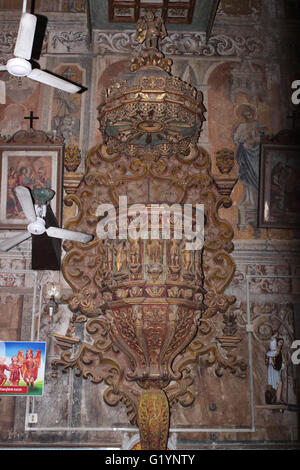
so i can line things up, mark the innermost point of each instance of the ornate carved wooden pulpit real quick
(145, 302)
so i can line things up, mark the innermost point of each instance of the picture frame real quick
(279, 187)
(33, 159)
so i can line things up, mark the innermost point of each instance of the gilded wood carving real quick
(147, 303)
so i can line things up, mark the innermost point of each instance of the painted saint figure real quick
(12, 200)
(43, 180)
(274, 361)
(247, 138)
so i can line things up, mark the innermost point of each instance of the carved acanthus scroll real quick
(93, 271)
(147, 302)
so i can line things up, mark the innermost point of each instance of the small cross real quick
(31, 117)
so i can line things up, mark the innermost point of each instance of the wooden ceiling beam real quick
(163, 5)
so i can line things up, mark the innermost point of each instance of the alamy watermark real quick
(296, 94)
(295, 358)
(154, 221)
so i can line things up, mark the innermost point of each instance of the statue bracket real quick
(225, 184)
(72, 181)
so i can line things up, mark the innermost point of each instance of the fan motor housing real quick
(37, 227)
(18, 67)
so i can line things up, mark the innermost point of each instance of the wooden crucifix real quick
(31, 117)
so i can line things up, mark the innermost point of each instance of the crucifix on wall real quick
(31, 117)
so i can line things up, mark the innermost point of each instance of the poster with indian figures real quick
(22, 368)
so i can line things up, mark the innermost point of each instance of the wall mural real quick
(66, 112)
(22, 96)
(244, 91)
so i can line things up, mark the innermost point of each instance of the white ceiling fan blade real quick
(69, 234)
(25, 199)
(52, 80)
(11, 242)
(23, 47)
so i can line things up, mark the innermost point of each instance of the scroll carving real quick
(147, 302)
(89, 271)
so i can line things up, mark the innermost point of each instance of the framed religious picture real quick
(279, 192)
(33, 159)
(22, 367)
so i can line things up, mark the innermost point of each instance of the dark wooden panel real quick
(46, 251)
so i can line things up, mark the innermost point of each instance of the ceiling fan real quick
(20, 65)
(36, 214)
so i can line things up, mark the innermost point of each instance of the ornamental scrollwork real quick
(184, 43)
(148, 301)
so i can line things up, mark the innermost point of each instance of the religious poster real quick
(22, 368)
